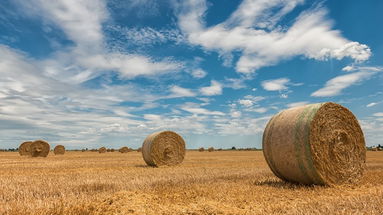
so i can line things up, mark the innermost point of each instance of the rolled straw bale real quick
(124, 149)
(201, 149)
(102, 150)
(139, 149)
(108, 150)
(24, 148)
(163, 148)
(315, 144)
(39, 148)
(112, 150)
(59, 150)
(210, 149)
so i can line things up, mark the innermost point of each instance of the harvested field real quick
(224, 182)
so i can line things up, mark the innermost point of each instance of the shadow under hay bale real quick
(163, 148)
(39, 148)
(24, 148)
(323, 144)
(102, 150)
(59, 150)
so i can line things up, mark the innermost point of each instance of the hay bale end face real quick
(323, 144)
(59, 150)
(163, 148)
(39, 148)
(24, 148)
(102, 150)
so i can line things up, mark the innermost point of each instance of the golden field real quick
(220, 182)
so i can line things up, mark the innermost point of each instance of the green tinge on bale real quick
(315, 144)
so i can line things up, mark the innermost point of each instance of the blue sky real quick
(90, 73)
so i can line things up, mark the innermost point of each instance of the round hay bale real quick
(108, 150)
(315, 144)
(163, 148)
(139, 149)
(59, 150)
(210, 149)
(201, 149)
(124, 149)
(112, 150)
(39, 148)
(24, 148)
(102, 150)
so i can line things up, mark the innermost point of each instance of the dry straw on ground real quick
(59, 150)
(163, 148)
(210, 149)
(39, 148)
(24, 148)
(124, 149)
(102, 150)
(323, 143)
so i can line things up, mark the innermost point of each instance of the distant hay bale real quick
(112, 150)
(163, 148)
(323, 144)
(83, 150)
(24, 148)
(59, 150)
(210, 149)
(108, 150)
(139, 149)
(102, 150)
(39, 148)
(201, 149)
(124, 149)
(374, 149)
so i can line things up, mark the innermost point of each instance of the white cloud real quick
(214, 89)
(245, 31)
(348, 68)
(246, 102)
(371, 104)
(198, 73)
(181, 92)
(235, 114)
(276, 84)
(335, 86)
(296, 104)
(259, 110)
(379, 114)
(199, 110)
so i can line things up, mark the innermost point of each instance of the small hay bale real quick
(39, 148)
(139, 149)
(112, 150)
(124, 149)
(102, 150)
(210, 149)
(59, 150)
(315, 144)
(163, 148)
(83, 150)
(201, 149)
(108, 150)
(24, 148)
(374, 149)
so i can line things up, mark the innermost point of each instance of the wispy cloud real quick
(214, 89)
(255, 30)
(276, 84)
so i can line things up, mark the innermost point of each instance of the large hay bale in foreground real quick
(163, 148)
(102, 150)
(24, 148)
(39, 148)
(59, 150)
(315, 144)
(124, 149)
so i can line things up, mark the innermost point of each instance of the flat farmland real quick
(220, 182)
